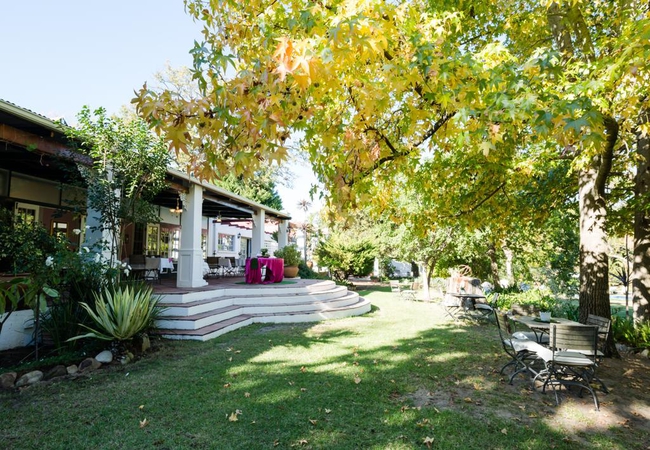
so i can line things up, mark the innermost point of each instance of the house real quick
(197, 219)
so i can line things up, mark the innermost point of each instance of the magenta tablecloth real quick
(274, 271)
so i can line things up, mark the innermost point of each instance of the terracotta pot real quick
(290, 271)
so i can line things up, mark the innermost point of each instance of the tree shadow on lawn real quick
(352, 383)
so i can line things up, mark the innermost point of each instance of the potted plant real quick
(291, 256)
(264, 252)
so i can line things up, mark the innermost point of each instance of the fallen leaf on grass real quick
(227, 385)
(144, 422)
(357, 380)
(141, 407)
(303, 369)
(300, 442)
(504, 431)
(276, 443)
(468, 400)
(233, 416)
(303, 389)
(247, 394)
(327, 411)
(427, 441)
(313, 421)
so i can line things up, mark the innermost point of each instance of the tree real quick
(129, 169)
(344, 257)
(479, 98)
(304, 206)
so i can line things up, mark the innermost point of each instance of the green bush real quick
(122, 313)
(307, 273)
(290, 254)
(624, 331)
(537, 298)
(346, 258)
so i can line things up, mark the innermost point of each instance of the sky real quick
(58, 56)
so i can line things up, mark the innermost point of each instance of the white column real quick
(190, 260)
(283, 233)
(257, 242)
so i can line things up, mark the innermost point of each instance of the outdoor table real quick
(274, 271)
(467, 300)
(540, 328)
(165, 264)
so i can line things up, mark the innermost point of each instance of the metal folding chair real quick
(571, 368)
(523, 352)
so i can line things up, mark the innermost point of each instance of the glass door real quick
(153, 240)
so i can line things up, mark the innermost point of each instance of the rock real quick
(7, 380)
(105, 357)
(72, 369)
(127, 358)
(646, 353)
(30, 378)
(56, 371)
(89, 364)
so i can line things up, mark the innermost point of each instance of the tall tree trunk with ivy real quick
(641, 265)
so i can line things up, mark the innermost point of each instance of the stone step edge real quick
(225, 323)
(234, 297)
(229, 308)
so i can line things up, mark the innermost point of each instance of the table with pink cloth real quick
(274, 271)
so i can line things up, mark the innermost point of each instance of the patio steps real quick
(208, 314)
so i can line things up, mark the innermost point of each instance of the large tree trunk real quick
(641, 266)
(594, 272)
(494, 266)
(594, 262)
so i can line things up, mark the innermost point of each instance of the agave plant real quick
(121, 313)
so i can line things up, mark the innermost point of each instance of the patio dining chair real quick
(152, 269)
(406, 292)
(487, 309)
(453, 307)
(571, 368)
(523, 352)
(604, 326)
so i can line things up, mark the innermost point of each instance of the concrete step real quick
(362, 306)
(200, 320)
(208, 332)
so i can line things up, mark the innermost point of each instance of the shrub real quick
(624, 331)
(290, 254)
(537, 298)
(122, 313)
(345, 259)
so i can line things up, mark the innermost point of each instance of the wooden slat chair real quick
(571, 368)
(604, 326)
(152, 269)
(523, 352)
(213, 264)
(453, 307)
(487, 309)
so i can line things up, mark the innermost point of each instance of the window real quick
(226, 243)
(27, 213)
(60, 229)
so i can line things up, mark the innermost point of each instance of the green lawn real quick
(386, 380)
